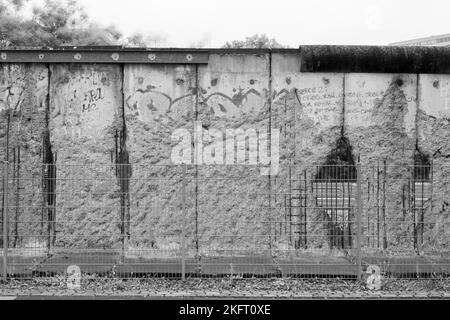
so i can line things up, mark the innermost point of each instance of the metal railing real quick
(226, 221)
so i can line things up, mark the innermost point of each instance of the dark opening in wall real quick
(421, 193)
(339, 164)
(48, 215)
(422, 166)
(123, 174)
(335, 184)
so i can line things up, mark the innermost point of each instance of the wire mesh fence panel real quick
(315, 217)
(405, 220)
(161, 202)
(122, 220)
(234, 220)
(3, 225)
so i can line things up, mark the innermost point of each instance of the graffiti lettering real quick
(91, 98)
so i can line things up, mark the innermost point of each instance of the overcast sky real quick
(291, 22)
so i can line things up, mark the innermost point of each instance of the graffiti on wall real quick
(153, 105)
(91, 98)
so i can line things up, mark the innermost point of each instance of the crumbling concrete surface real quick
(114, 139)
(85, 117)
(308, 110)
(23, 104)
(433, 123)
(379, 122)
(233, 106)
(159, 100)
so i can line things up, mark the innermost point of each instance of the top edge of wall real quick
(313, 58)
(380, 59)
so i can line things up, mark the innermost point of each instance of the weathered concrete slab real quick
(85, 116)
(233, 96)
(380, 110)
(380, 113)
(23, 94)
(308, 110)
(160, 106)
(433, 124)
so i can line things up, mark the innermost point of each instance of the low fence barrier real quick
(226, 221)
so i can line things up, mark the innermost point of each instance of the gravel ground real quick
(255, 288)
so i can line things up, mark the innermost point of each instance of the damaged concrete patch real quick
(241, 102)
(85, 115)
(433, 124)
(154, 109)
(380, 116)
(23, 93)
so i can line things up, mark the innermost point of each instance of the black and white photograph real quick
(224, 155)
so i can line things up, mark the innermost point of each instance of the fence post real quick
(358, 220)
(184, 221)
(5, 221)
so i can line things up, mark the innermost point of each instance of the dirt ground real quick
(228, 288)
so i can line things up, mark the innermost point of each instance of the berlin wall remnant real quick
(433, 120)
(234, 116)
(308, 109)
(159, 99)
(85, 115)
(379, 121)
(121, 114)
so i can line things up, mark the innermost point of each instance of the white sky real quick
(291, 22)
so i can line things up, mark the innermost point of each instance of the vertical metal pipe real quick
(16, 195)
(5, 221)
(290, 206)
(358, 220)
(384, 206)
(305, 211)
(47, 204)
(378, 204)
(185, 220)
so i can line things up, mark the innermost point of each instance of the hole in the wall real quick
(399, 82)
(333, 185)
(340, 163)
(49, 189)
(422, 167)
(123, 171)
(436, 84)
(420, 185)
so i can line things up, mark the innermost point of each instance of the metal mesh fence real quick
(225, 221)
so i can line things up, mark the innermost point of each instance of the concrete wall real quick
(158, 100)
(85, 114)
(23, 92)
(99, 116)
(433, 120)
